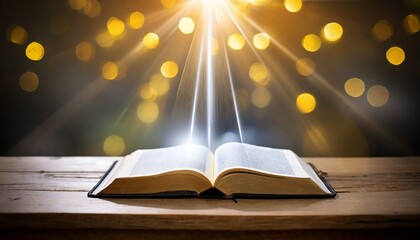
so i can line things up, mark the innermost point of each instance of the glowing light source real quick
(395, 55)
(382, 30)
(411, 24)
(215, 47)
(147, 111)
(104, 39)
(186, 25)
(135, 20)
(377, 95)
(168, 3)
(169, 69)
(261, 97)
(92, 8)
(146, 92)
(35, 51)
(115, 26)
(332, 32)
(311, 43)
(305, 67)
(236, 41)
(354, 87)
(259, 2)
(17, 34)
(259, 73)
(151, 40)
(261, 40)
(85, 52)
(159, 84)
(305, 103)
(29, 81)
(110, 71)
(114, 145)
(293, 5)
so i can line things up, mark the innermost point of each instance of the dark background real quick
(74, 109)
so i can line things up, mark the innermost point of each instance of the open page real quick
(263, 159)
(155, 161)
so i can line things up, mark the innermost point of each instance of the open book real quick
(234, 170)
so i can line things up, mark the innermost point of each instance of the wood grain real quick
(50, 193)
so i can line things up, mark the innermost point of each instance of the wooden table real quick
(43, 197)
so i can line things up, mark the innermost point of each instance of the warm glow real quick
(104, 39)
(236, 41)
(159, 84)
(293, 5)
(186, 25)
(169, 69)
(311, 43)
(168, 3)
(259, 73)
(77, 4)
(18, 35)
(151, 40)
(114, 145)
(35, 51)
(332, 32)
(395, 55)
(115, 26)
(85, 52)
(135, 20)
(261, 97)
(305, 103)
(261, 40)
(92, 9)
(354, 87)
(110, 71)
(146, 92)
(29, 81)
(411, 24)
(305, 67)
(215, 48)
(377, 95)
(382, 30)
(147, 111)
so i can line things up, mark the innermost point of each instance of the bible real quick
(233, 170)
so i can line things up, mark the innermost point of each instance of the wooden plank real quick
(42, 209)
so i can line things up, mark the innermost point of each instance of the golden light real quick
(29, 81)
(85, 52)
(236, 41)
(382, 30)
(395, 55)
(159, 84)
(305, 103)
(146, 92)
(77, 4)
(110, 71)
(17, 34)
(169, 69)
(259, 73)
(147, 111)
(311, 43)
(151, 40)
(261, 40)
(377, 95)
(186, 25)
(114, 145)
(35, 51)
(115, 26)
(92, 9)
(215, 48)
(104, 39)
(332, 32)
(293, 5)
(261, 97)
(411, 24)
(305, 67)
(354, 87)
(259, 2)
(168, 3)
(135, 20)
